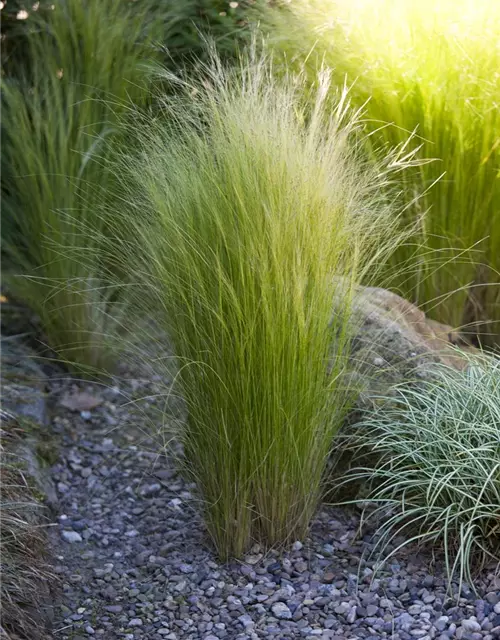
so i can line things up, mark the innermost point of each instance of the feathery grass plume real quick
(437, 479)
(429, 67)
(245, 208)
(59, 120)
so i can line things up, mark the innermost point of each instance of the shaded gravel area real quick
(134, 561)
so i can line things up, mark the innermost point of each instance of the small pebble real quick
(135, 622)
(71, 536)
(281, 611)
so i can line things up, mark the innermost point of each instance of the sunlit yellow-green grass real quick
(244, 210)
(80, 71)
(432, 67)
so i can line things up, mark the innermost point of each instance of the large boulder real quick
(395, 342)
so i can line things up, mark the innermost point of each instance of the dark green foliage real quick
(186, 25)
(190, 23)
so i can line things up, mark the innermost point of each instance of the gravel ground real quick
(134, 560)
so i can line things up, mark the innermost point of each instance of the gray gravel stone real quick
(441, 623)
(471, 625)
(71, 536)
(281, 611)
(135, 622)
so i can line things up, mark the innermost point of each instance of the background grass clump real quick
(59, 119)
(428, 67)
(245, 208)
(437, 479)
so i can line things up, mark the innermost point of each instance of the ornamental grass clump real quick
(437, 479)
(25, 574)
(79, 74)
(429, 67)
(244, 209)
